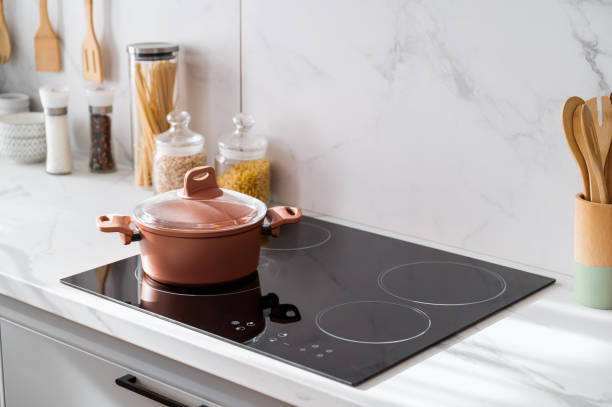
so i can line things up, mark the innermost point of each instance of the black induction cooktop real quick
(340, 302)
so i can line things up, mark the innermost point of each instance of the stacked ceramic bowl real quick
(14, 103)
(22, 137)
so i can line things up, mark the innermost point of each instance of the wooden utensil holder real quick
(593, 254)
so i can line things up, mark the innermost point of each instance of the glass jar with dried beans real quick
(176, 151)
(241, 163)
(100, 108)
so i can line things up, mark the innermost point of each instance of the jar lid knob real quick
(243, 122)
(178, 117)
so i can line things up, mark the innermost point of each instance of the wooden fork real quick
(5, 40)
(92, 59)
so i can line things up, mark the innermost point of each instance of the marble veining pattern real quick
(435, 119)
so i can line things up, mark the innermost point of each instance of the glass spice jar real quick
(241, 163)
(176, 151)
(100, 109)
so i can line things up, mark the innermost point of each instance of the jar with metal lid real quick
(241, 162)
(153, 94)
(176, 152)
(100, 108)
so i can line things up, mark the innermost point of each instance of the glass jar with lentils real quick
(100, 108)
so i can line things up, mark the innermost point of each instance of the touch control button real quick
(282, 334)
(235, 322)
(315, 346)
(250, 324)
(272, 339)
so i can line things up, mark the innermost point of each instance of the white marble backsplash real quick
(206, 30)
(436, 119)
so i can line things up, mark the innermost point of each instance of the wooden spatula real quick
(567, 119)
(608, 158)
(5, 40)
(46, 44)
(584, 131)
(604, 132)
(92, 58)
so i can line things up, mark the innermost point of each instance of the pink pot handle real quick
(280, 215)
(200, 183)
(116, 223)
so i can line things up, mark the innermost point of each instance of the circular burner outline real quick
(418, 311)
(382, 286)
(322, 242)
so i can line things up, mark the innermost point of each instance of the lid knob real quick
(200, 183)
(243, 122)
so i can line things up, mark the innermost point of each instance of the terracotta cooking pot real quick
(201, 234)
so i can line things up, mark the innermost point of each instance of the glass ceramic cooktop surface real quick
(338, 301)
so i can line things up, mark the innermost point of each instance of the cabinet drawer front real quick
(40, 371)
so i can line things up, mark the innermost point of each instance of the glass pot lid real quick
(200, 206)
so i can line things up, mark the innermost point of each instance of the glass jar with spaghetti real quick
(153, 94)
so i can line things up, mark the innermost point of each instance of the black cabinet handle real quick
(130, 382)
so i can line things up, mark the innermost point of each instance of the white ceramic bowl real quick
(22, 137)
(14, 103)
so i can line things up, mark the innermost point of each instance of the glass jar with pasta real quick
(176, 152)
(153, 83)
(241, 162)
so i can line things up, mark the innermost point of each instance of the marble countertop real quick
(544, 351)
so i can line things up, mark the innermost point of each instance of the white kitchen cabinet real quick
(40, 371)
(51, 361)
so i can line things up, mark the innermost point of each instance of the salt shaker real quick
(55, 103)
(100, 108)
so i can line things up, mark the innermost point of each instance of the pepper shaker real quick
(100, 108)
(55, 103)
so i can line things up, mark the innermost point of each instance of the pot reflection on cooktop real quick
(235, 311)
(306, 236)
(442, 283)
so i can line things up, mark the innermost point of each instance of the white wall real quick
(206, 30)
(436, 119)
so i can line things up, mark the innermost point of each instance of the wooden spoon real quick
(567, 118)
(584, 131)
(5, 40)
